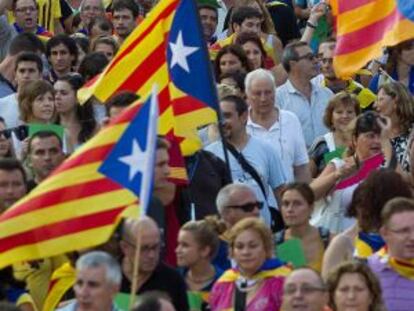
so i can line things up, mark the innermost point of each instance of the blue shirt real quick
(374, 83)
(310, 114)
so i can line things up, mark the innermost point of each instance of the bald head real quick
(304, 289)
(149, 243)
(145, 225)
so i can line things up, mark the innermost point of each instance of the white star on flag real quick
(180, 52)
(136, 160)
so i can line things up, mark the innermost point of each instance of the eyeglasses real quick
(403, 232)
(265, 93)
(29, 9)
(310, 57)
(145, 249)
(248, 207)
(305, 289)
(326, 60)
(21, 132)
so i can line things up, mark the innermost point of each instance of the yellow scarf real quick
(271, 268)
(405, 268)
(367, 244)
(62, 280)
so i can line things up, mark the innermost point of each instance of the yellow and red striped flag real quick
(167, 48)
(79, 205)
(364, 27)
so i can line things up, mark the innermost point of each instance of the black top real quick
(207, 175)
(164, 279)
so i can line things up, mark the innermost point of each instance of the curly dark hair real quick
(371, 195)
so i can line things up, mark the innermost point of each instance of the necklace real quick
(199, 281)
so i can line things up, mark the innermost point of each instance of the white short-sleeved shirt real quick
(9, 110)
(286, 137)
(310, 114)
(267, 163)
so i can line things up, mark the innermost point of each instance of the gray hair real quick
(83, 3)
(97, 259)
(258, 74)
(223, 197)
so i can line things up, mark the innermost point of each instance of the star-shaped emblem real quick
(180, 52)
(136, 160)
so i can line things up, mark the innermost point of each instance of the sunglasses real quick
(21, 132)
(248, 207)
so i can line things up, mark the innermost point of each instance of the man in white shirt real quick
(259, 154)
(28, 68)
(280, 128)
(299, 94)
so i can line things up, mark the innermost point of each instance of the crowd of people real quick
(301, 156)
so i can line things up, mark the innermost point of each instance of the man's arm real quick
(302, 173)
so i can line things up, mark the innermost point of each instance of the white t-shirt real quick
(267, 163)
(9, 110)
(286, 137)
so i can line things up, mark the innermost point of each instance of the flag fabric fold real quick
(79, 205)
(167, 48)
(364, 27)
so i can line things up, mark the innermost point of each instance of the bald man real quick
(152, 273)
(304, 290)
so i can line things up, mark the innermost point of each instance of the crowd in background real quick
(300, 144)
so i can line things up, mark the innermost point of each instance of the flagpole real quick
(137, 254)
(223, 143)
(147, 180)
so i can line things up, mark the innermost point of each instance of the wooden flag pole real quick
(135, 270)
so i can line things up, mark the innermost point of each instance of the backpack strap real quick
(325, 235)
(280, 236)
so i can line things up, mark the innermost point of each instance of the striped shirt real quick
(397, 291)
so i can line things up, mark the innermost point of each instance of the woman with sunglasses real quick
(341, 110)
(297, 206)
(256, 281)
(198, 244)
(395, 102)
(6, 147)
(368, 139)
(78, 120)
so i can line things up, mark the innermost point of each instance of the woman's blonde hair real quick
(256, 225)
(206, 233)
(27, 95)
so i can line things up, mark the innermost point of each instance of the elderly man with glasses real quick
(304, 289)
(153, 274)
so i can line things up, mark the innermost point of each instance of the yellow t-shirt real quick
(37, 276)
(49, 11)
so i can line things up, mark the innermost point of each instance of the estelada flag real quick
(79, 205)
(167, 48)
(364, 27)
